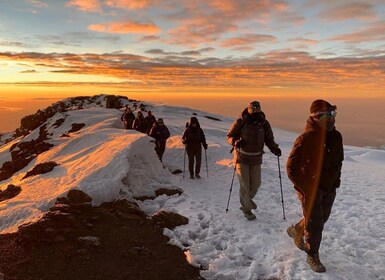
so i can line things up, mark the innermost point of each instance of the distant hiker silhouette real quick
(160, 133)
(127, 118)
(140, 123)
(150, 118)
(194, 138)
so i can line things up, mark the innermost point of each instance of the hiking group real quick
(314, 164)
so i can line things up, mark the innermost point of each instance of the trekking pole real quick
(184, 161)
(207, 168)
(232, 181)
(280, 182)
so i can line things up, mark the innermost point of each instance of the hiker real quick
(194, 138)
(150, 118)
(128, 118)
(247, 135)
(160, 133)
(140, 123)
(314, 166)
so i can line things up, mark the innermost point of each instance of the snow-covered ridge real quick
(108, 162)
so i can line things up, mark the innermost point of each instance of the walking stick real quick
(207, 168)
(280, 182)
(232, 181)
(184, 161)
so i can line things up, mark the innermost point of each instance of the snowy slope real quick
(108, 162)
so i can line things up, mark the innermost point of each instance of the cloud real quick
(304, 41)
(85, 5)
(183, 53)
(39, 4)
(148, 38)
(128, 4)
(125, 27)
(291, 68)
(28, 71)
(246, 40)
(200, 22)
(356, 10)
(76, 38)
(14, 44)
(374, 32)
(10, 109)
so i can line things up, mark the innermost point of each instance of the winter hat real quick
(320, 105)
(254, 104)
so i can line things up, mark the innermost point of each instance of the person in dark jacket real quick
(150, 118)
(314, 167)
(194, 138)
(128, 118)
(160, 133)
(140, 123)
(248, 135)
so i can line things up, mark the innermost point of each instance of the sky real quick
(191, 53)
(108, 162)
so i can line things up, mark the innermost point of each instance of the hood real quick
(247, 117)
(313, 125)
(193, 120)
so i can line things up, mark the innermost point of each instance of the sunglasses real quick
(325, 114)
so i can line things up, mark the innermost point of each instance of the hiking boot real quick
(197, 176)
(248, 214)
(191, 176)
(297, 237)
(315, 263)
(253, 205)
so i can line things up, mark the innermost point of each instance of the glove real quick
(205, 146)
(337, 183)
(277, 151)
(238, 143)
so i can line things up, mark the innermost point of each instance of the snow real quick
(108, 162)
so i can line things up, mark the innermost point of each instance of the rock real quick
(10, 192)
(168, 192)
(86, 241)
(41, 168)
(76, 196)
(168, 220)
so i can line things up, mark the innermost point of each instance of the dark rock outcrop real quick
(41, 168)
(10, 192)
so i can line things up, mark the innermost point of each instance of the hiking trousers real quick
(312, 229)
(249, 177)
(194, 154)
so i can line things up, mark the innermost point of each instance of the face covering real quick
(255, 117)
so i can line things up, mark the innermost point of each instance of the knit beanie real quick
(319, 105)
(254, 104)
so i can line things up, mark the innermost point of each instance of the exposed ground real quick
(77, 241)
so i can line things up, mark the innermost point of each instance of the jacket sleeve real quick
(167, 133)
(135, 124)
(269, 137)
(185, 136)
(203, 138)
(234, 132)
(340, 157)
(153, 131)
(294, 165)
